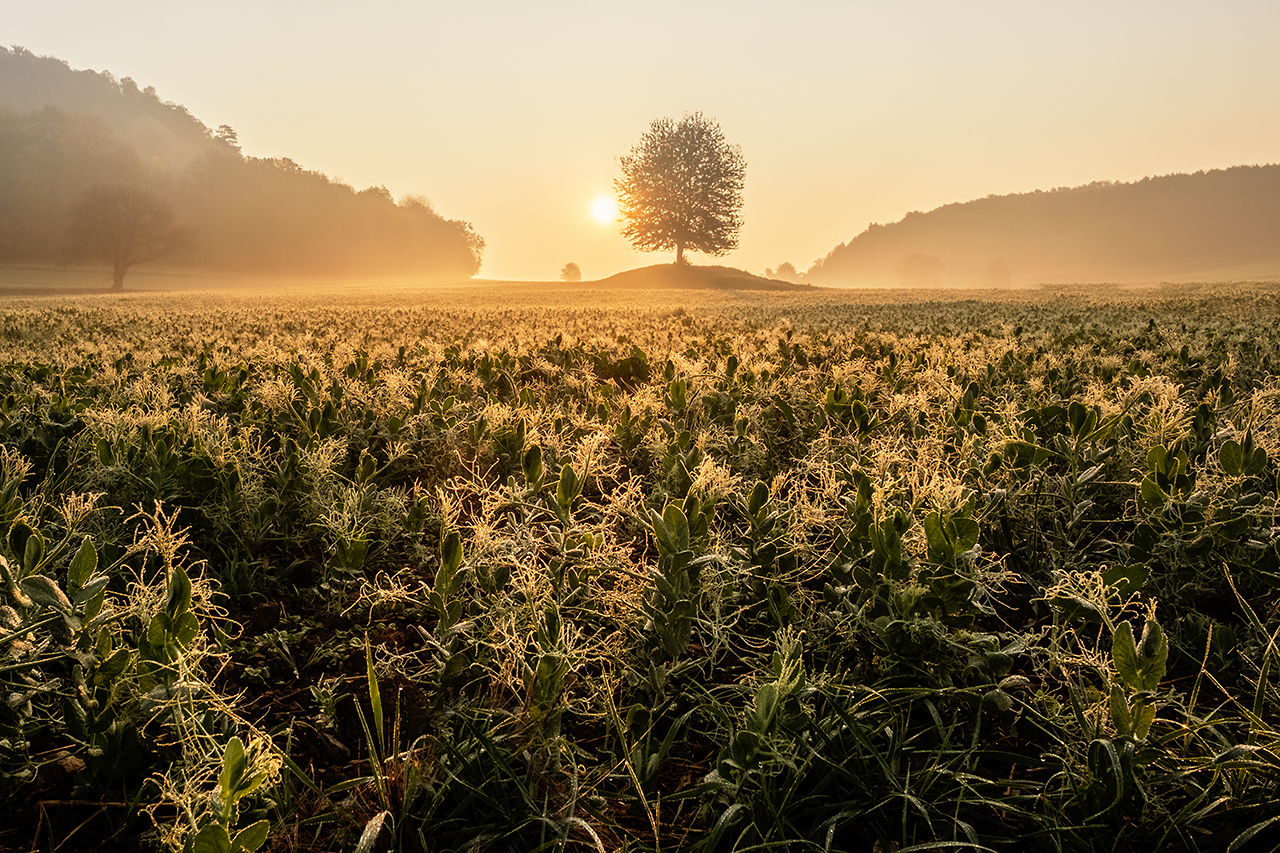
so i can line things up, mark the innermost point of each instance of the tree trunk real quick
(117, 279)
(679, 253)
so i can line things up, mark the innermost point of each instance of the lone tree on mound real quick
(681, 188)
(124, 226)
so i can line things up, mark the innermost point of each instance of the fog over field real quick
(66, 131)
(512, 119)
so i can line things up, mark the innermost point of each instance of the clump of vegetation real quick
(836, 572)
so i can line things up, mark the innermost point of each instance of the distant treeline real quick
(63, 131)
(1216, 224)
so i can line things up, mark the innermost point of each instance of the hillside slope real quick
(63, 131)
(1223, 223)
(164, 134)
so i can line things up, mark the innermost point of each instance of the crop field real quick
(517, 568)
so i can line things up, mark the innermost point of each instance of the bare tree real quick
(681, 188)
(124, 226)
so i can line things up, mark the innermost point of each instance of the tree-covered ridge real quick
(1219, 224)
(64, 131)
(163, 133)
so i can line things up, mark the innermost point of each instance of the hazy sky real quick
(512, 114)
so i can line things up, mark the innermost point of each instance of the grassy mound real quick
(690, 277)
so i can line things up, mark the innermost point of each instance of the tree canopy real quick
(681, 188)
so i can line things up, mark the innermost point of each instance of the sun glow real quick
(604, 209)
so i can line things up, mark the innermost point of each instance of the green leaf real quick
(1141, 667)
(766, 706)
(1126, 579)
(1153, 655)
(568, 488)
(1022, 454)
(1077, 417)
(32, 552)
(966, 534)
(252, 836)
(1256, 464)
(179, 593)
(997, 701)
(666, 545)
(184, 629)
(1150, 496)
(1108, 769)
(1144, 714)
(211, 839)
(1088, 475)
(93, 604)
(250, 783)
(159, 629)
(677, 526)
(551, 627)
(532, 465)
(1075, 609)
(90, 590)
(1156, 457)
(730, 817)
(953, 591)
(1231, 458)
(82, 565)
(665, 587)
(19, 533)
(114, 666)
(45, 592)
(1120, 711)
(375, 696)
(1125, 655)
(234, 764)
(450, 556)
(758, 498)
(939, 547)
(104, 644)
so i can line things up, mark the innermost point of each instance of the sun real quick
(604, 209)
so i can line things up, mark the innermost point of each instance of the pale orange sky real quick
(511, 114)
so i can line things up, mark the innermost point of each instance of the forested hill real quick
(163, 134)
(1222, 224)
(63, 131)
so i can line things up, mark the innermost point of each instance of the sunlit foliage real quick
(482, 568)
